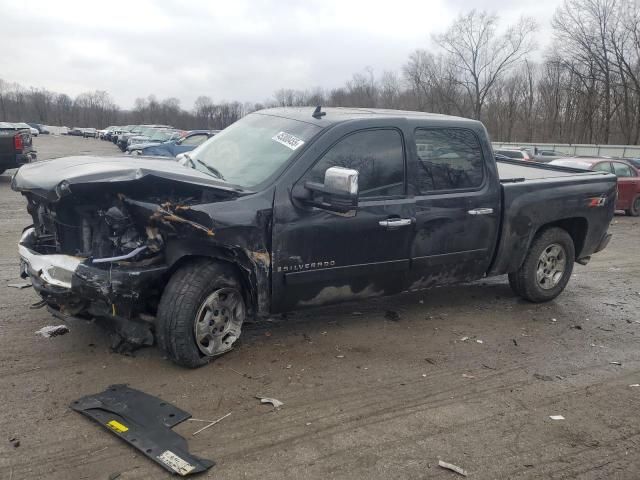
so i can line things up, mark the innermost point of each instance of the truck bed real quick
(537, 194)
(510, 171)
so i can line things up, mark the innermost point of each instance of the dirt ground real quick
(365, 397)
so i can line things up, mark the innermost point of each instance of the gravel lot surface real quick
(365, 397)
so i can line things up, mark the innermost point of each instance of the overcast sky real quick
(229, 50)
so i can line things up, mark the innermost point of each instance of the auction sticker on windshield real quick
(288, 140)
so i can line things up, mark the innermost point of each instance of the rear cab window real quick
(448, 159)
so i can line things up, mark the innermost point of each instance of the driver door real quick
(321, 257)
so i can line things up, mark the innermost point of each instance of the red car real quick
(628, 178)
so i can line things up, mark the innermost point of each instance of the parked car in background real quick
(15, 146)
(628, 178)
(136, 144)
(89, 133)
(76, 132)
(173, 148)
(142, 130)
(516, 154)
(26, 126)
(119, 131)
(148, 133)
(109, 132)
(38, 126)
(547, 155)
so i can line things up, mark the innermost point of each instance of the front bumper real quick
(114, 288)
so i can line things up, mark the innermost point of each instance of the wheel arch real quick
(252, 268)
(576, 227)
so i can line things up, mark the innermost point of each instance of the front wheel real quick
(201, 313)
(634, 210)
(547, 267)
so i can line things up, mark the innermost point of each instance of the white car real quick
(34, 131)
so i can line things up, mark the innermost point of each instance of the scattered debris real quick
(576, 327)
(489, 367)
(554, 320)
(430, 360)
(211, 424)
(19, 285)
(288, 367)
(308, 423)
(424, 375)
(464, 339)
(392, 315)
(246, 375)
(466, 375)
(616, 363)
(605, 329)
(452, 467)
(479, 341)
(114, 475)
(356, 314)
(339, 356)
(15, 443)
(544, 378)
(635, 385)
(556, 417)
(273, 401)
(53, 331)
(267, 333)
(515, 342)
(145, 422)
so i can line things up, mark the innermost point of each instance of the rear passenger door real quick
(457, 206)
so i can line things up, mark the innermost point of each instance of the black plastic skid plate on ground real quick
(144, 422)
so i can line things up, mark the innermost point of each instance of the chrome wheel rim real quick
(551, 266)
(219, 321)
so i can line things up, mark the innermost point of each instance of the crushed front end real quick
(89, 257)
(98, 244)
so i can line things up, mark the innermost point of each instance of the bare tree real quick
(480, 56)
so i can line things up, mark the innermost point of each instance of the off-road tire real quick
(524, 281)
(634, 209)
(181, 300)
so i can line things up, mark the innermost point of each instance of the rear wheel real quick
(201, 313)
(634, 210)
(547, 267)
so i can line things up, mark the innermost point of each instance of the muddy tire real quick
(201, 312)
(634, 210)
(547, 267)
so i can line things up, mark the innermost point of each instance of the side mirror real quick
(338, 193)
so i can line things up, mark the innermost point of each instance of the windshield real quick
(251, 150)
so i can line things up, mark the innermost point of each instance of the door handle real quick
(393, 223)
(481, 211)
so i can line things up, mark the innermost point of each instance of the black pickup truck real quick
(293, 208)
(15, 146)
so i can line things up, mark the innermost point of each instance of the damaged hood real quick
(51, 178)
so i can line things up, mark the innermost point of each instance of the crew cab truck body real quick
(293, 208)
(15, 146)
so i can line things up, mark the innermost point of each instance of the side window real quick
(602, 167)
(194, 139)
(378, 155)
(622, 170)
(448, 159)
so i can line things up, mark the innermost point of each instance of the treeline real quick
(585, 88)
